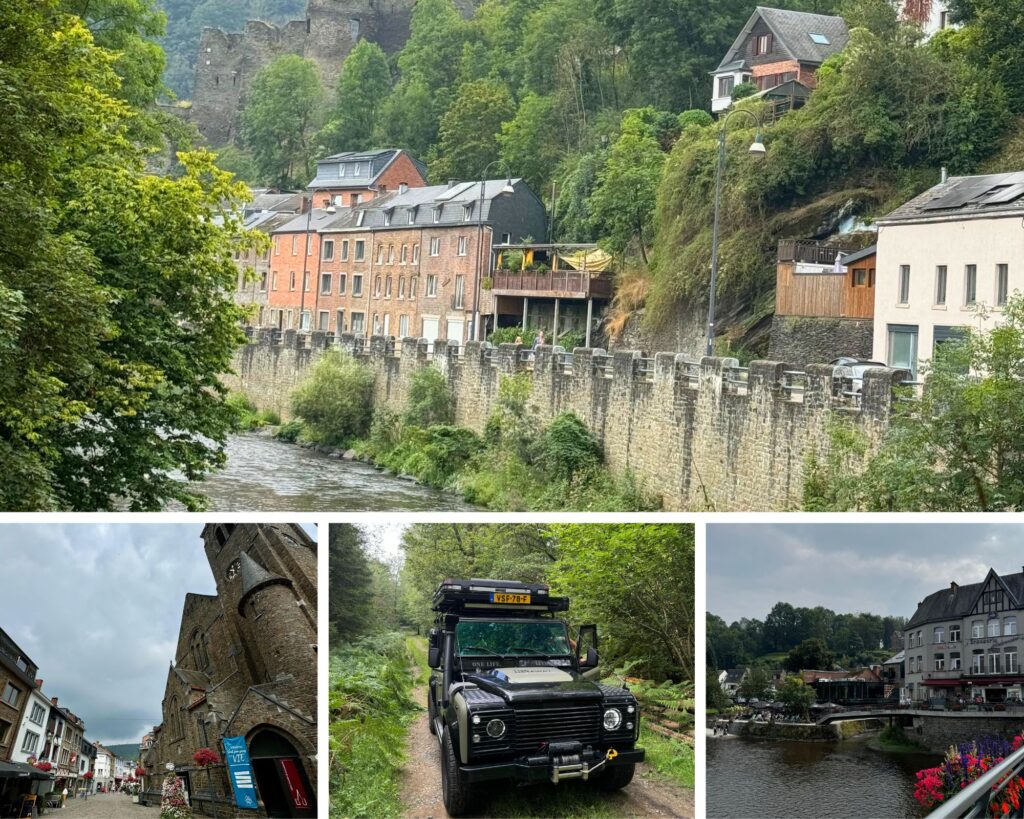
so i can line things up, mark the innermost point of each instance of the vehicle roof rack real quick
(507, 596)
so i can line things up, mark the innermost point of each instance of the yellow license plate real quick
(517, 599)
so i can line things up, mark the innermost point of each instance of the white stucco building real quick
(104, 767)
(947, 260)
(31, 737)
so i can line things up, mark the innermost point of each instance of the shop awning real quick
(22, 770)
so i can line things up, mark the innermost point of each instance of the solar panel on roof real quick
(1004, 194)
(960, 195)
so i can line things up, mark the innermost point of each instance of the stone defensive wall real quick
(705, 436)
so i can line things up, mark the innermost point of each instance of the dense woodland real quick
(812, 637)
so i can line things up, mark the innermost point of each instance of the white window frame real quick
(463, 244)
(435, 246)
(431, 286)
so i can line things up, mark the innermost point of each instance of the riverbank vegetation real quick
(516, 464)
(959, 448)
(894, 739)
(638, 587)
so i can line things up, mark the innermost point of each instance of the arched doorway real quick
(281, 778)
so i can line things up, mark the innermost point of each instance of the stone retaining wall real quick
(703, 436)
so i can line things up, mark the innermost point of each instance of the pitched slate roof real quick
(451, 199)
(328, 174)
(957, 601)
(870, 250)
(1001, 193)
(793, 30)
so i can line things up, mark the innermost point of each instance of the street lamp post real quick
(305, 254)
(477, 329)
(758, 150)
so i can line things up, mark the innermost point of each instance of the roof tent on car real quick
(478, 596)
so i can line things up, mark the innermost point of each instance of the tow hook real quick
(572, 766)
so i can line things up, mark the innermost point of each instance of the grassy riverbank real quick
(894, 740)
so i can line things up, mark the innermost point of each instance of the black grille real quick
(537, 726)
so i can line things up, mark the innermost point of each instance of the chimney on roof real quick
(945, 174)
(53, 700)
(402, 187)
(953, 587)
(452, 183)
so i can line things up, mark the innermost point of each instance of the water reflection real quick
(750, 778)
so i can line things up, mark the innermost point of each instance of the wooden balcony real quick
(562, 284)
(791, 250)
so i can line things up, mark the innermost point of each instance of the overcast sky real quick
(384, 541)
(882, 568)
(98, 608)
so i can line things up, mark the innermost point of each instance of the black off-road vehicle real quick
(513, 696)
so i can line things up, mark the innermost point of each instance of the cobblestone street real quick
(104, 806)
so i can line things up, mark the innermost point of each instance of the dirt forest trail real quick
(646, 795)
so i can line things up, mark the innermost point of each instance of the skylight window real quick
(820, 39)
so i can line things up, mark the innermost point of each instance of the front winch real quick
(572, 766)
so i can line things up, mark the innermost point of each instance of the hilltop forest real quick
(602, 106)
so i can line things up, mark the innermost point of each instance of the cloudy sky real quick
(97, 608)
(384, 541)
(883, 568)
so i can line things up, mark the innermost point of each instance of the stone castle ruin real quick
(227, 62)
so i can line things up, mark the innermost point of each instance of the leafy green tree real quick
(636, 582)
(115, 294)
(434, 48)
(993, 44)
(623, 201)
(756, 685)
(128, 29)
(531, 142)
(410, 117)
(281, 116)
(717, 699)
(336, 400)
(797, 695)
(960, 448)
(469, 130)
(811, 654)
(351, 583)
(363, 84)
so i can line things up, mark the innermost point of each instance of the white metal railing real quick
(974, 800)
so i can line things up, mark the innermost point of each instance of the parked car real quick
(858, 366)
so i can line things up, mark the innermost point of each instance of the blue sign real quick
(240, 770)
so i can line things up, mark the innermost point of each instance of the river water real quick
(270, 476)
(767, 779)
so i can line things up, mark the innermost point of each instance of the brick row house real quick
(410, 262)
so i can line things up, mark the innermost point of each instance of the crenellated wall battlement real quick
(705, 435)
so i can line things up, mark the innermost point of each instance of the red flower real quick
(204, 757)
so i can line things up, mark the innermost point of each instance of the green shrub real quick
(336, 400)
(568, 447)
(511, 425)
(244, 414)
(743, 90)
(430, 400)
(508, 335)
(695, 116)
(385, 433)
(290, 432)
(271, 418)
(571, 339)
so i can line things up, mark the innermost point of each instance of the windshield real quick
(505, 638)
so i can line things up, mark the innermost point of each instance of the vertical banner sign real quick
(240, 770)
(295, 787)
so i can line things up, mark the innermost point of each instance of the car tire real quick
(616, 777)
(431, 712)
(458, 796)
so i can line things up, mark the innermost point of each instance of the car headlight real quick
(612, 719)
(495, 729)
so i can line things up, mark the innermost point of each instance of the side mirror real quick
(433, 649)
(586, 647)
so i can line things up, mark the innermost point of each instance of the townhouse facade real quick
(104, 769)
(412, 262)
(963, 642)
(17, 680)
(32, 732)
(946, 263)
